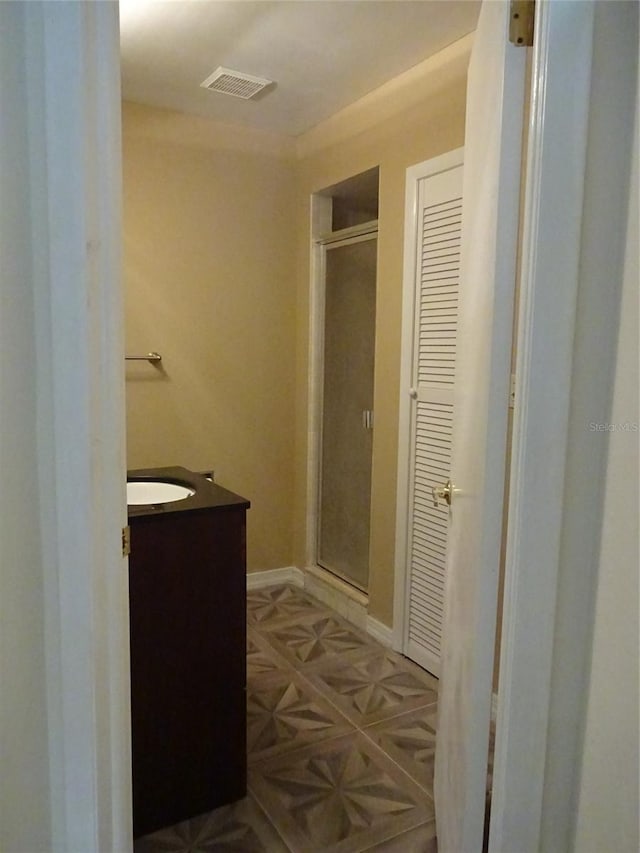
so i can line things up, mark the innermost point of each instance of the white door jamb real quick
(548, 293)
(73, 85)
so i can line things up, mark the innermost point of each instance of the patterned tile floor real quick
(340, 736)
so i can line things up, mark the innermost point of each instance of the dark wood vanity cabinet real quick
(187, 599)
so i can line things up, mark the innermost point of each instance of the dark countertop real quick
(208, 496)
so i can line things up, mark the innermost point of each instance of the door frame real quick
(401, 570)
(75, 177)
(539, 534)
(551, 239)
(321, 237)
(552, 537)
(563, 53)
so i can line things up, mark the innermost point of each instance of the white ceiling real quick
(322, 54)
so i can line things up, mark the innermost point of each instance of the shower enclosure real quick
(347, 403)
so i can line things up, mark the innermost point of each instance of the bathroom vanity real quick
(187, 599)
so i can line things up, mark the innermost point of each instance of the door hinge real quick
(521, 21)
(126, 541)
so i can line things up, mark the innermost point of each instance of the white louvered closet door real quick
(435, 309)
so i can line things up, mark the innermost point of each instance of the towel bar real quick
(151, 357)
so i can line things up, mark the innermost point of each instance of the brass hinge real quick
(521, 21)
(126, 541)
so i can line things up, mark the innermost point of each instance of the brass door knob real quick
(443, 491)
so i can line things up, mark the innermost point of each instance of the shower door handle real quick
(367, 419)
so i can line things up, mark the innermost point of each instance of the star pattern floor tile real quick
(239, 828)
(284, 712)
(409, 739)
(422, 839)
(376, 687)
(341, 795)
(262, 659)
(340, 738)
(276, 604)
(315, 637)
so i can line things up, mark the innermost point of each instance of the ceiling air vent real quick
(235, 83)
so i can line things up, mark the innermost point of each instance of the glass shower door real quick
(347, 409)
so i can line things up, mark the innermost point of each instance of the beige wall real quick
(209, 270)
(393, 129)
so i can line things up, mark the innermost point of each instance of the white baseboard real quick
(316, 577)
(380, 632)
(271, 577)
(345, 599)
(348, 602)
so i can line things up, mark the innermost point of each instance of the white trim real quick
(331, 590)
(75, 148)
(551, 251)
(321, 212)
(338, 243)
(343, 235)
(608, 767)
(347, 601)
(273, 577)
(380, 632)
(328, 579)
(335, 583)
(413, 175)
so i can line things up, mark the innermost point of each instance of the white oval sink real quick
(156, 492)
